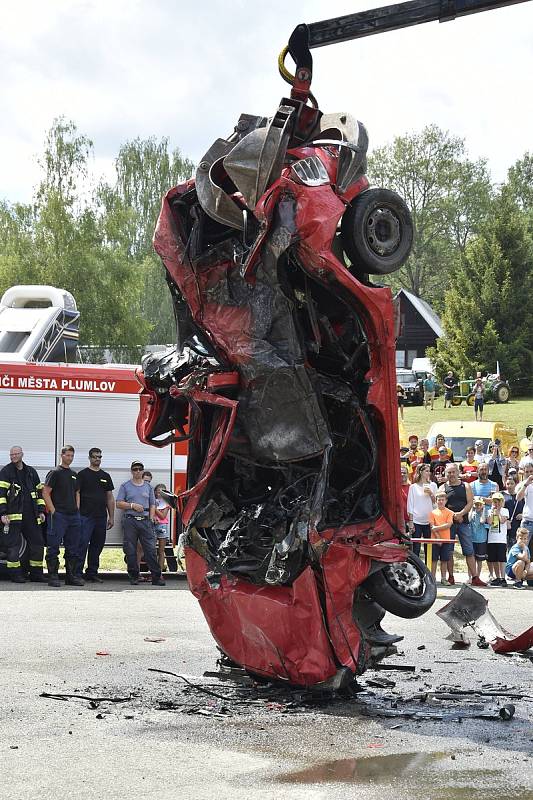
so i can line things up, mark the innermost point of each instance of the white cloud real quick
(184, 70)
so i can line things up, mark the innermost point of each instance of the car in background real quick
(461, 434)
(412, 382)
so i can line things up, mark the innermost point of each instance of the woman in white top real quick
(420, 502)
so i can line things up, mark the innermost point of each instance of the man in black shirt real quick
(97, 511)
(450, 384)
(60, 495)
(438, 467)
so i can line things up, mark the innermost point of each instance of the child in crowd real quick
(518, 566)
(478, 528)
(498, 518)
(400, 394)
(162, 533)
(441, 521)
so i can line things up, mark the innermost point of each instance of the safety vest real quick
(12, 493)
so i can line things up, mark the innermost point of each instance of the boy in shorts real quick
(498, 520)
(518, 566)
(441, 521)
(479, 528)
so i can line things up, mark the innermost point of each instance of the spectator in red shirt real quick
(469, 466)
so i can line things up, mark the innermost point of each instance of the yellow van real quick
(460, 435)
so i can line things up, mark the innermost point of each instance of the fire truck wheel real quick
(377, 232)
(406, 589)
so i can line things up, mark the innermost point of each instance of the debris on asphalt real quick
(469, 610)
(97, 700)
(154, 639)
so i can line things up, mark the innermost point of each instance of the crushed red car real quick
(283, 384)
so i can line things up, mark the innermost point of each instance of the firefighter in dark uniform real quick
(22, 515)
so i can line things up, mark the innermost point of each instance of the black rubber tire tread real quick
(384, 593)
(470, 400)
(498, 390)
(456, 400)
(353, 227)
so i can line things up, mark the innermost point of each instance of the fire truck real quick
(46, 405)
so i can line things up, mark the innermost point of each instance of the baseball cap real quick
(478, 441)
(443, 449)
(498, 496)
(137, 464)
(479, 500)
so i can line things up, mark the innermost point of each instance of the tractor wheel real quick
(501, 393)
(470, 400)
(456, 400)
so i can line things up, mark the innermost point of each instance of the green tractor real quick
(496, 390)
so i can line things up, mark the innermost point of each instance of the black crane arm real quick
(367, 23)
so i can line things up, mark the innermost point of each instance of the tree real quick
(520, 185)
(145, 171)
(487, 316)
(448, 197)
(60, 240)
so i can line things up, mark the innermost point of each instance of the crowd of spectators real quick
(484, 502)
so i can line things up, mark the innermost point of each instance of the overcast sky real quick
(186, 69)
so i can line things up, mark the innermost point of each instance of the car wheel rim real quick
(382, 231)
(405, 578)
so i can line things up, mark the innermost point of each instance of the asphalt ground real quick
(172, 740)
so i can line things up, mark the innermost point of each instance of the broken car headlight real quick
(310, 171)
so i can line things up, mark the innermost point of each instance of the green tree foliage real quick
(448, 196)
(59, 240)
(487, 316)
(145, 171)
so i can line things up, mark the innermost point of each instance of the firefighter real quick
(22, 510)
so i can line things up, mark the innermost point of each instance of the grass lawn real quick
(516, 413)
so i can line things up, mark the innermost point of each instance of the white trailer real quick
(43, 406)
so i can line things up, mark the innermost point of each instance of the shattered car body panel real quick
(283, 382)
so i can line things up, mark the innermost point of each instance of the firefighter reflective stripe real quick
(3, 500)
(39, 521)
(33, 494)
(4, 485)
(39, 487)
(40, 502)
(14, 517)
(35, 563)
(13, 564)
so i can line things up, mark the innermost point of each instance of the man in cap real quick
(137, 500)
(479, 454)
(440, 441)
(414, 455)
(438, 467)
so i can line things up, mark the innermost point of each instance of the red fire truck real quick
(46, 405)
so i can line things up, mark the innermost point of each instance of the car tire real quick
(470, 400)
(406, 589)
(501, 393)
(456, 400)
(377, 232)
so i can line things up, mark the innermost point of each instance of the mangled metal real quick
(468, 611)
(283, 384)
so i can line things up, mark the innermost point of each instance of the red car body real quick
(302, 629)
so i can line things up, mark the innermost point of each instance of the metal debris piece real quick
(63, 696)
(469, 609)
